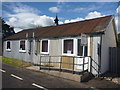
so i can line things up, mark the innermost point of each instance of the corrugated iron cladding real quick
(71, 29)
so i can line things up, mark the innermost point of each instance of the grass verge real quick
(15, 62)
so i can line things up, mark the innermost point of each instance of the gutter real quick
(95, 33)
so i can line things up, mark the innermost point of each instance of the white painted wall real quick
(55, 47)
(108, 40)
(14, 53)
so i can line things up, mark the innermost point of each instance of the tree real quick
(6, 29)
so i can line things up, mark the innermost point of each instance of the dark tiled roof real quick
(70, 29)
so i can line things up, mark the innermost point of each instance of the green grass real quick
(15, 62)
(0, 59)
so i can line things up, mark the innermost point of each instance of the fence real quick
(65, 63)
(114, 57)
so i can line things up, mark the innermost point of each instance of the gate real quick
(114, 57)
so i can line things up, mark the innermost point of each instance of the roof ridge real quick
(75, 28)
(68, 23)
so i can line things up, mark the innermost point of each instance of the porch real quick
(69, 64)
(77, 68)
(68, 67)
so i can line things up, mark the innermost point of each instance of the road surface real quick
(13, 77)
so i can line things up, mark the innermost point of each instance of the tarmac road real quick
(13, 77)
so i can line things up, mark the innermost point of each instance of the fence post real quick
(49, 61)
(40, 62)
(60, 62)
(90, 64)
(83, 63)
(73, 65)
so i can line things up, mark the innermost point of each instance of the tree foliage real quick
(6, 29)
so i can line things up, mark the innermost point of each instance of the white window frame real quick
(82, 48)
(10, 46)
(41, 46)
(23, 51)
(74, 47)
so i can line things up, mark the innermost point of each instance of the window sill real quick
(44, 52)
(8, 50)
(22, 51)
(67, 54)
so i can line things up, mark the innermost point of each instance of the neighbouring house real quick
(86, 41)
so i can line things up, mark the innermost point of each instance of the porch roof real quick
(71, 29)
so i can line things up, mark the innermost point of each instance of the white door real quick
(95, 55)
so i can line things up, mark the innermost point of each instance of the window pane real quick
(45, 46)
(85, 51)
(80, 48)
(68, 46)
(22, 45)
(8, 45)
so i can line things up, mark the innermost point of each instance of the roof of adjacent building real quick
(70, 29)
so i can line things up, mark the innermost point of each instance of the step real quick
(66, 75)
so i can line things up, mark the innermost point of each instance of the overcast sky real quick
(24, 15)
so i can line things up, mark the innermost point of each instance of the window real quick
(68, 46)
(8, 45)
(22, 45)
(80, 49)
(44, 45)
(85, 52)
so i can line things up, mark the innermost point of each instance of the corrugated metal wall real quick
(114, 57)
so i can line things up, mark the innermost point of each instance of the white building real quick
(65, 41)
